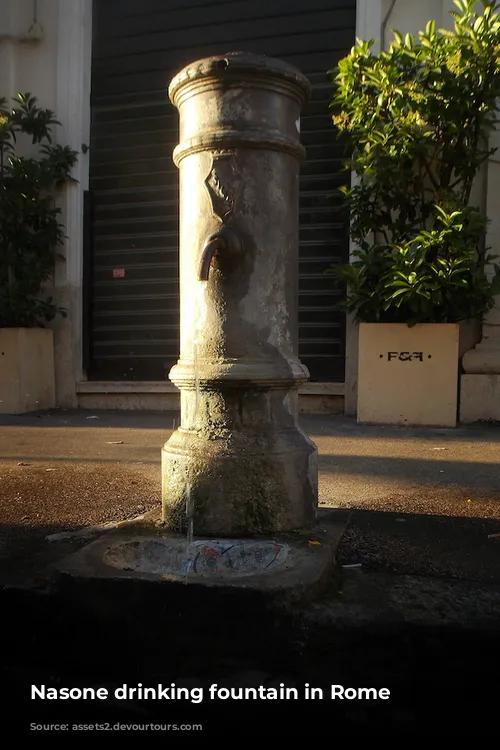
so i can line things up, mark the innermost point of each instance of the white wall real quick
(28, 66)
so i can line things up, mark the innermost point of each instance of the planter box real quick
(27, 380)
(409, 376)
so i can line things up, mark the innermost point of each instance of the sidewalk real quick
(424, 501)
(416, 606)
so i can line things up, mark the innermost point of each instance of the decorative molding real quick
(228, 140)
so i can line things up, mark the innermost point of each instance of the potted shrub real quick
(30, 233)
(417, 118)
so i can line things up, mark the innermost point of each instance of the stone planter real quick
(26, 370)
(409, 376)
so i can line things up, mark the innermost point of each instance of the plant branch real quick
(428, 171)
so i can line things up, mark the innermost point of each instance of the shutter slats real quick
(138, 46)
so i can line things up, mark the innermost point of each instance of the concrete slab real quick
(291, 568)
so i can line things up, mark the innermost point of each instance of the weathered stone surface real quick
(145, 557)
(249, 467)
(213, 558)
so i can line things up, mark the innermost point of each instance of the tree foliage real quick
(418, 117)
(30, 230)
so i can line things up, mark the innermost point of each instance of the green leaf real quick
(412, 114)
(30, 230)
(397, 293)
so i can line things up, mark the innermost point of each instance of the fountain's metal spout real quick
(217, 243)
(224, 240)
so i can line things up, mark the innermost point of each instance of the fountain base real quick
(250, 474)
(285, 569)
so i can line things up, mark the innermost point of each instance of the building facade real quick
(104, 67)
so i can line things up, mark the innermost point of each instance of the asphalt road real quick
(425, 501)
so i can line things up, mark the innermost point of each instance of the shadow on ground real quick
(440, 678)
(459, 548)
(419, 613)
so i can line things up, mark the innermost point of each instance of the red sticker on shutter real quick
(118, 273)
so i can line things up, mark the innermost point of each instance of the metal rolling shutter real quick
(138, 45)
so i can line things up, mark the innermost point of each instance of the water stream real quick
(189, 514)
(200, 316)
(200, 313)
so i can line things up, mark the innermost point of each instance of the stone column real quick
(239, 464)
(480, 385)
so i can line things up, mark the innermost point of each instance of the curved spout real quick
(225, 239)
(216, 242)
